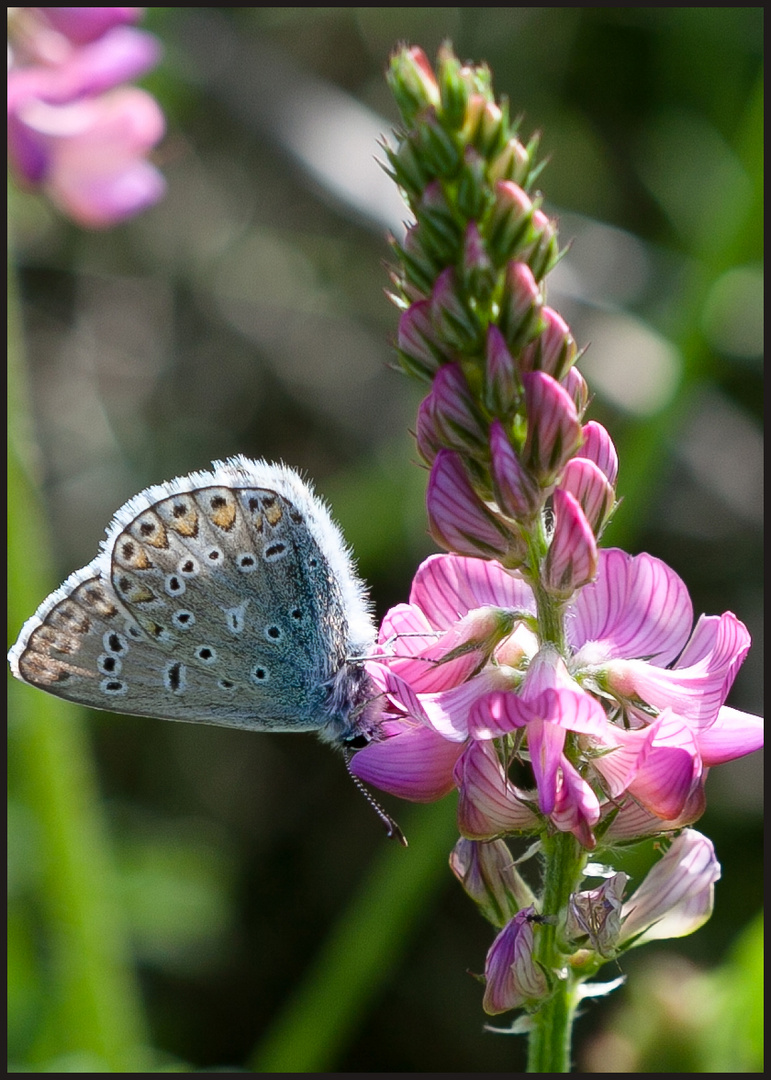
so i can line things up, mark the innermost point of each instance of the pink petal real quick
(490, 805)
(545, 743)
(414, 651)
(447, 587)
(637, 607)
(696, 692)
(576, 807)
(512, 976)
(587, 483)
(498, 713)
(448, 711)
(676, 897)
(732, 735)
(416, 765)
(634, 821)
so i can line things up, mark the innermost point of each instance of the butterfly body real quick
(225, 597)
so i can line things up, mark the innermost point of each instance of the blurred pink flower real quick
(74, 130)
(641, 702)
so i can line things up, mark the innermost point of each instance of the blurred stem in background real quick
(89, 1005)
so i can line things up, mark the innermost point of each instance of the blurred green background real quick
(225, 900)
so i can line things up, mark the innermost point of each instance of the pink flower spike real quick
(571, 561)
(677, 895)
(512, 975)
(515, 492)
(589, 485)
(416, 764)
(489, 804)
(636, 607)
(553, 430)
(458, 519)
(598, 447)
(501, 389)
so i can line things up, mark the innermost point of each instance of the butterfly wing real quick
(215, 605)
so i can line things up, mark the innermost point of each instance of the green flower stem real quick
(550, 1037)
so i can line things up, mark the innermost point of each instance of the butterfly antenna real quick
(392, 829)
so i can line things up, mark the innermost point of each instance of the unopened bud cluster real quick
(501, 426)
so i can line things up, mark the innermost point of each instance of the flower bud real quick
(572, 557)
(520, 306)
(407, 169)
(437, 147)
(453, 88)
(542, 253)
(419, 269)
(487, 872)
(512, 976)
(448, 417)
(575, 385)
(512, 163)
(516, 493)
(474, 196)
(485, 125)
(596, 914)
(598, 447)
(441, 235)
(477, 271)
(455, 322)
(420, 351)
(501, 388)
(589, 485)
(553, 351)
(458, 519)
(553, 431)
(412, 82)
(509, 228)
